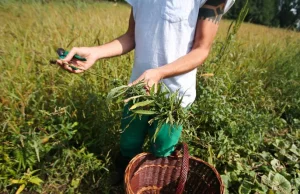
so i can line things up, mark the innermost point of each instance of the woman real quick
(171, 39)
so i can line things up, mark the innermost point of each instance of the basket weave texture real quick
(147, 174)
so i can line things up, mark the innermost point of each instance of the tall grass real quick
(59, 123)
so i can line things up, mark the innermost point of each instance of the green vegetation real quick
(283, 13)
(159, 102)
(58, 134)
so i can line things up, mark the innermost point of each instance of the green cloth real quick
(134, 132)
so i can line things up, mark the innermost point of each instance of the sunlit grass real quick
(252, 90)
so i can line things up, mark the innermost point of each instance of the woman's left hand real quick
(150, 77)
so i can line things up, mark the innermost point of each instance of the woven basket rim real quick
(145, 154)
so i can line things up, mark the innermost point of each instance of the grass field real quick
(58, 135)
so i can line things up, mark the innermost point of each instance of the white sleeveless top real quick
(164, 32)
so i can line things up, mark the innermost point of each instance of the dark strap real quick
(184, 169)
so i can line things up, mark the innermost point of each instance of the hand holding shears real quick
(77, 60)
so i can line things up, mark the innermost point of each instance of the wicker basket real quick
(146, 174)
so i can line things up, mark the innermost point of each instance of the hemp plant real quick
(161, 104)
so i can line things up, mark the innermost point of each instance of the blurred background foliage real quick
(276, 13)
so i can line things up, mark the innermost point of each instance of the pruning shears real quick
(62, 53)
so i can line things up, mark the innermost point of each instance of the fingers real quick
(141, 78)
(78, 64)
(71, 54)
(70, 67)
(70, 64)
(148, 84)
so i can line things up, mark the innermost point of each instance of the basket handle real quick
(184, 169)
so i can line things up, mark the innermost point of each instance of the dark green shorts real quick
(134, 132)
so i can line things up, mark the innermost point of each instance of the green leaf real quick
(152, 90)
(32, 172)
(35, 180)
(20, 189)
(144, 112)
(141, 104)
(275, 164)
(295, 150)
(297, 182)
(171, 119)
(270, 191)
(211, 155)
(296, 191)
(282, 182)
(277, 182)
(13, 181)
(259, 187)
(134, 97)
(159, 126)
(226, 179)
(265, 155)
(75, 183)
(35, 146)
(74, 124)
(116, 92)
(245, 187)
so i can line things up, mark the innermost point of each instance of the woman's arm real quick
(119, 46)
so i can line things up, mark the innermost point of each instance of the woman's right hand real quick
(90, 53)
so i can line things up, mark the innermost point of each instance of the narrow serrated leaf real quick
(20, 189)
(144, 112)
(14, 181)
(115, 91)
(141, 104)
